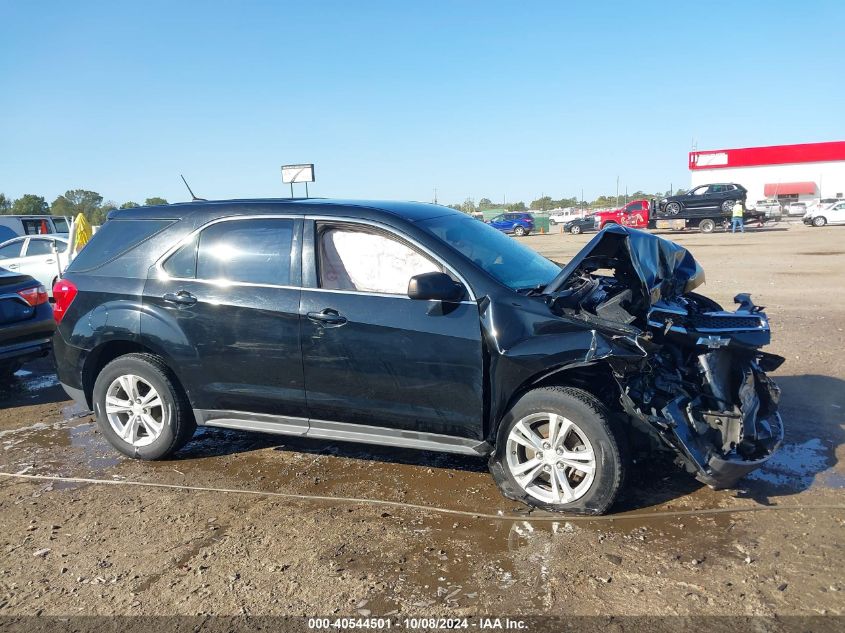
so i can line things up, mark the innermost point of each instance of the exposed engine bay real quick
(700, 385)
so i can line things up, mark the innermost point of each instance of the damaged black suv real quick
(412, 325)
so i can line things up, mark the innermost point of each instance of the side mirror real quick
(437, 286)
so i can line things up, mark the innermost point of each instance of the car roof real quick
(411, 211)
(48, 236)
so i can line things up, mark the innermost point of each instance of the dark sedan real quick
(26, 321)
(580, 225)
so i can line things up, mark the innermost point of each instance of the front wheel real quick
(575, 230)
(819, 221)
(140, 408)
(519, 231)
(557, 450)
(673, 208)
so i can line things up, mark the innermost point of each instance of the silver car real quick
(43, 257)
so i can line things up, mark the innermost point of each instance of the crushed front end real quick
(701, 386)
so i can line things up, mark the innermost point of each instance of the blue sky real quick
(507, 100)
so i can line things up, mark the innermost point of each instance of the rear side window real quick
(254, 251)
(39, 247)
(114, 238)
(61, 225)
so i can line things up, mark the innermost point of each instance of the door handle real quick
(13, 266)
(182, 298)
(50, 261)
(327, 318)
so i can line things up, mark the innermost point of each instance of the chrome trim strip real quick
(343, 431)
(242, 421)
(162, 274)
(395, 437)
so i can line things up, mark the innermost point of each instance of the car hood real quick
(656, 268)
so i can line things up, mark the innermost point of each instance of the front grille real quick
(725, 322)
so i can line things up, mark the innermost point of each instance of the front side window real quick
(637, 206)
(254, 251)
(700, 191)
(11, 251)
(365, 261)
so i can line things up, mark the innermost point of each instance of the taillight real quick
(64, 292)
(34, 296)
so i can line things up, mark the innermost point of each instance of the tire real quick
(174, 418)
(707, 226)
(673, 208)
(591, 431)
(819, 220)
(575, 230)
(519, 231)
(728, 205)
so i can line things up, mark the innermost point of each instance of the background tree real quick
(468, 206)
(486, 203)
(130, 205)
(542, 204)
(5, 204)
(516, 207)
(82, 201)
(29, 204)
(151, 202)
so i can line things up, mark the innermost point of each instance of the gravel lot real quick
(772, 547)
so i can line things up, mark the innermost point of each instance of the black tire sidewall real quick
(164, 443)
(593, 421)
(707, 226)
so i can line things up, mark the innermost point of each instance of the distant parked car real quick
(12, 225)
(831, 214)
(771, 207)
(580, 225)
(822, 203)
(562, 216)
(797, 208)
(26, 321)
(716, 196)
(517, 223)
(35, 256)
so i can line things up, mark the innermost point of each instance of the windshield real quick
(506, 259)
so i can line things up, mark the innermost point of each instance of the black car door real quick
(373, 356)
(225, 306)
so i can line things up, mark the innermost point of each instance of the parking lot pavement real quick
(258, 524)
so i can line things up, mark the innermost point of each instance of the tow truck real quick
(648, 214)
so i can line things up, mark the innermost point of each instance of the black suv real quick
(720, 197)
(413, 325)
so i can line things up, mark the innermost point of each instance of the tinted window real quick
(39, 247)
(61, 225)
(636, 206)
(114, 238)
(251, 251)
(503, 258)
(11, 250)
(36, 227)
(183, 263)
(368, 262)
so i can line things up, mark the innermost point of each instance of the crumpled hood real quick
(659, 269)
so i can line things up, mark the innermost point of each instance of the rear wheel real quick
(707, 226)
(556, 450)
(727, 205)
(519, 231)
(140, 408)
(673, 208)
(819, 221)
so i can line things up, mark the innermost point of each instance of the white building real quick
(788, 173)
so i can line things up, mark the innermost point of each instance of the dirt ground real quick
(233, 526)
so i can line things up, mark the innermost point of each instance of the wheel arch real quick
(596, 378)
(109, 350)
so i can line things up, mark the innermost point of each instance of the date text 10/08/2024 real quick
(417, 623)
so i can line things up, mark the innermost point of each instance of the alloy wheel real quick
(551, 458)
(135, 410)
(673, 208)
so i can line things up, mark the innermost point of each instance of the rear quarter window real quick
(113, 239)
